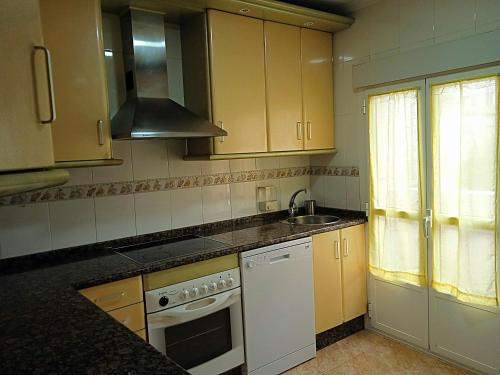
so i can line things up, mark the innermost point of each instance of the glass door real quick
(397, 243)
(463, 193)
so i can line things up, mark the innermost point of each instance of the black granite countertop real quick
(47, 327)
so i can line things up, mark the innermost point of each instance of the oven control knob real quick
(204, 289)
(221, 284)
(213, 286)
(163, 301)
(230, 282)
(184, 295)
(194, 292)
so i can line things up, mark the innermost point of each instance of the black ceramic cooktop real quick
(151, 252)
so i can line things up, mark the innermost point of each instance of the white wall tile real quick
(343, 95)
(352, 193)
(243, 199)
(216, 203)
(454, 19)
(384, 26)
(294, 161)
(179, 167)
(152, 211)
(318, 189)
(344, 137)
(239, 165)
(417, 23)
(186, 207)
(488, 15)
(214, 166)
(322, 160)
(335, 192)
(115, 217)
(24, 229)
(267, 163)
(353, 43)
(121, 150)
(290, 185)
(72, 223)
(79, 176)
(149, 159)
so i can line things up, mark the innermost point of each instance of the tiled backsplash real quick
(150, 193)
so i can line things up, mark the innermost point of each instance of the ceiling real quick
(342, 7)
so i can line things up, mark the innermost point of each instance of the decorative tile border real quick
(172, 183)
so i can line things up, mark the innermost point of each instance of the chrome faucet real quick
(292, 207)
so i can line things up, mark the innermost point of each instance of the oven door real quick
(203, 336)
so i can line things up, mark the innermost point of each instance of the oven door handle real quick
(194, 310)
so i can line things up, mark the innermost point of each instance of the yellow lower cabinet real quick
(327, 280)
(354, 299)
(131, 316)
(339, 276)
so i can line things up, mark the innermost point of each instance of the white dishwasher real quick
(278, 306)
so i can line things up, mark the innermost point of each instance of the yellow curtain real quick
(396, 246)
(465, 151)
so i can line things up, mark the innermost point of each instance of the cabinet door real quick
(327, 280)
(317, 86)
(73, 32)
(354, 301)
(25, 143)
(238, 84)
(283, 87)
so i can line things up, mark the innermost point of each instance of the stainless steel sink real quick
(312, 219)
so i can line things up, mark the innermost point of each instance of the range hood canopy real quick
(148, 111)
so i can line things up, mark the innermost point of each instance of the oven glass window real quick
(193, 343)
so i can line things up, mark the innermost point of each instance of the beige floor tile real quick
(368, 353)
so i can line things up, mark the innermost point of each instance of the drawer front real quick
(142, 334)
(117, 294)
(131, 316)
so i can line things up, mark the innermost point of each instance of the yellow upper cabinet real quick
(25, 142)
(317, 88)
(73, 32)
(283, 87)
(236, 45)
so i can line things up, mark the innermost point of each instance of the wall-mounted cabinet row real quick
(270, 85)
(53, 97)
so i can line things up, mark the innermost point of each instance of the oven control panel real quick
(191, 290)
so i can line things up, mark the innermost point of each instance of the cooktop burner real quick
(151, 252)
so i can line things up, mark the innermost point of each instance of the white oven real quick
(198, 323)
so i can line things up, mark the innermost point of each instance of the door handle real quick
(346, 247)
(299, 130)
(337, 249)
(309, 130)
(50, 81)
(100, 132)
(222, 138)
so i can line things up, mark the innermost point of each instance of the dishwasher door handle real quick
(279, 258)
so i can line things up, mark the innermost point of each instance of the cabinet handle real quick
(337, 249)
(222, 138)
(309, 130)
(299, 130)
(110, 297)
(346, 247)
(100, 132)
(50, 81)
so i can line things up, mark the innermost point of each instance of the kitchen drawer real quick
(142, 334)
(131, 316)
(117, 294)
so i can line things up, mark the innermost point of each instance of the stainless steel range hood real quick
(148, 111)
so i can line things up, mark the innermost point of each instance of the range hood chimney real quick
(148, 111)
